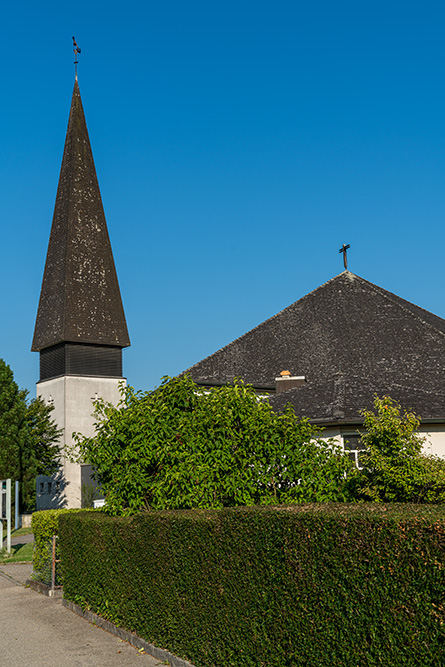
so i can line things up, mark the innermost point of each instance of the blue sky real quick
(237, 145)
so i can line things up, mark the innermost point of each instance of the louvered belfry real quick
(80, 326)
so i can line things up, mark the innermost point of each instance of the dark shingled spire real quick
(80, 301)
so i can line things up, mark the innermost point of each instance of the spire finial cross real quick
(76, 50)
(344, 250)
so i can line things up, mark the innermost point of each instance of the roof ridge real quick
(235, 340)
(404, 304)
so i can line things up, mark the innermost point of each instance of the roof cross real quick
(344, 250)
(76, 50)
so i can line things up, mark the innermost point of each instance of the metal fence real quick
(50, 574)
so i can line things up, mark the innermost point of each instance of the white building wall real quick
(434, 434)
(72, 397)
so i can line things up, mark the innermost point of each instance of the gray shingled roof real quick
(80, 299)
(350, 339)
(342, 399)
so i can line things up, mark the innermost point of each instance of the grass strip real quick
(20, 553)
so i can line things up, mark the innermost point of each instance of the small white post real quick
(53, 566)
(8, 516)
(16, 506)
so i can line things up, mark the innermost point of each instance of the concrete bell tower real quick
(80, 327)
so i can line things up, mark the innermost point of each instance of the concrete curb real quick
(130, 637)
(44, 590)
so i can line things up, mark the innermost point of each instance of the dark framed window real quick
(353, 446)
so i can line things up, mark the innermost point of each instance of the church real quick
(327, 355)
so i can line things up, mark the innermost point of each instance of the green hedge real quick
(319, 585)
(44, 525)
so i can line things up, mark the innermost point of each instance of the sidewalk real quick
(19, 572)
(21, 539)
(37, 630)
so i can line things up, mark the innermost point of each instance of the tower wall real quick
(72, 398)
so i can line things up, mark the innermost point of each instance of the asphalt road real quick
(38, 631)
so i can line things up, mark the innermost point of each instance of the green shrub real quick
(320, 585)
(394, 467)
(181, 447)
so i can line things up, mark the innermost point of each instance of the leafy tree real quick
(41, 455)
(13, 425)
(394, 467)
(182, 447)
(28, 437)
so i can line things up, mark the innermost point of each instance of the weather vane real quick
(344, 250)
(76, 53)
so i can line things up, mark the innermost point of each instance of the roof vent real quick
(287, 381)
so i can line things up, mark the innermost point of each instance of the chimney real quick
(287, 381)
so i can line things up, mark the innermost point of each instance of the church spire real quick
(80, 301)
